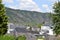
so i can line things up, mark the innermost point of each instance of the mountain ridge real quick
(25, 17)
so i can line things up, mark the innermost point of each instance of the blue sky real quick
(32, 5)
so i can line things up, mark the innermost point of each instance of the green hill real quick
(28, 17)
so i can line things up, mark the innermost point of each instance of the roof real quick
(24, 30)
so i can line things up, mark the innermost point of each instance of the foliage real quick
(7, 37)
(11, 37)
(40, 37)
(21, 37)
(3, 19)
(56, 7)
(0, 1)
(39, 25)
(56, 18)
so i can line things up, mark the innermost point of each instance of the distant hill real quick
(28, 17)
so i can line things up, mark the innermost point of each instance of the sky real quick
(31, 5)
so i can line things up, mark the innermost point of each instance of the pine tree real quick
(3, 19)
(56, 18)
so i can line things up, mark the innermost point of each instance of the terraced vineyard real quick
(28, 17)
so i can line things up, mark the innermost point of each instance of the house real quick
(11, 27)
(44, 29)
(47, 30)
(33, 29)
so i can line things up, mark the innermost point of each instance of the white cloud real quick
(29, 5)
(46, 7)
(53, 1)
(24, 5)
(13, 7)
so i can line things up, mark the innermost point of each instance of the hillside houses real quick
(44, 29)
(25, 30)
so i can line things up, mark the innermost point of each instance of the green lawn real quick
(10, 37)
(40, 38)
(7, 37)
(21, 37)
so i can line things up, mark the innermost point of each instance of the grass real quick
(10, 37)
(21, 37)
(40, 38)
(7, 37)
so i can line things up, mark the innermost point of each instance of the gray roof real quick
(24, 30)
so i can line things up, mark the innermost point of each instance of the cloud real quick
(29, 5)
(46, 7)
(13, 7)
(23, 5)
(53, 1)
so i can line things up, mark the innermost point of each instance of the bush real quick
(21, 37)
(7, 37)
(40, 38)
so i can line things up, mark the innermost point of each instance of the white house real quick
(44, 29)
(47, 30)
(10, 27)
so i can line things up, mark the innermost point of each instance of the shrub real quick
(21, 37)
(7, 37)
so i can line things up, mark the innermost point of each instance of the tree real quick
(39, 26)
(3, 19)
(56, 18)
